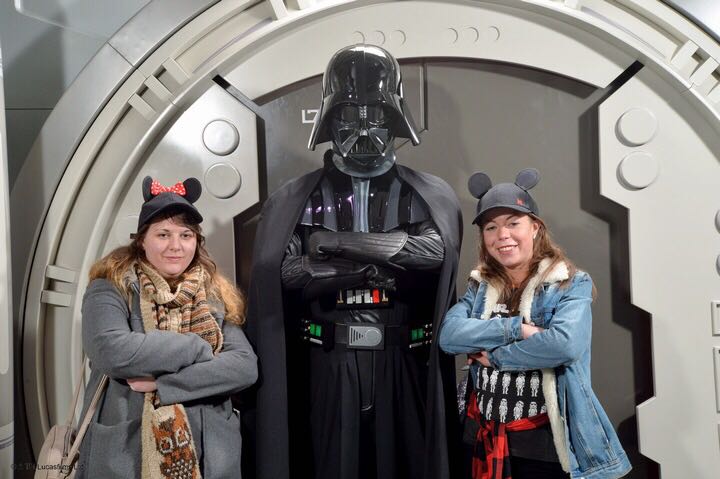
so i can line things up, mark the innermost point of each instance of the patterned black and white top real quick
(510, 395)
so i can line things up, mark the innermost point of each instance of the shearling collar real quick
(559, 273)
(492, 295)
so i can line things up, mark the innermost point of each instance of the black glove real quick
(374, 248)
(381, 278)
(334, 274)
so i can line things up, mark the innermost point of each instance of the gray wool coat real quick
(186, 372)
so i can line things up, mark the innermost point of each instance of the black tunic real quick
(367, 407)
(288, 401)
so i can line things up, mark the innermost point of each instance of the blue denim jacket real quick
(593, 450)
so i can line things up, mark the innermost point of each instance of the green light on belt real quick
(315, 330)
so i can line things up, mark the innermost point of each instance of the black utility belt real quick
(365, 336)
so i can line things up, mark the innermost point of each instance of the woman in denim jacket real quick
(525, 323)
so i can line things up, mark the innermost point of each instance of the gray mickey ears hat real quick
(504, 195)
(179, 197)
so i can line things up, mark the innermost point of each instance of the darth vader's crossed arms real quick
(340, 260)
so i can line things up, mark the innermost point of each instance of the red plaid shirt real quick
(491, 454)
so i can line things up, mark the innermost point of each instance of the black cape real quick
(275, 420)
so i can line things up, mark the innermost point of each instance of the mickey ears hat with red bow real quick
(504, 195)
(160, 199)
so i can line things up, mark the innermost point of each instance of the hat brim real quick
(193, 214)
(172, 202)
(519, 208)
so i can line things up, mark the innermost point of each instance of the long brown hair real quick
(115, 265)
(543, 247)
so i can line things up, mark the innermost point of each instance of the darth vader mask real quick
(363, 110)
(363, 139)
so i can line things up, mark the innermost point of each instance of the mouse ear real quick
(527, 178)
(193, 188)
(146, 184)
(479, 184)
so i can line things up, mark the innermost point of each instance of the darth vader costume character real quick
(353, 268)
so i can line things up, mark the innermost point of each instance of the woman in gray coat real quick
(165, 326)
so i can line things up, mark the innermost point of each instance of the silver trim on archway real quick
(705, 13)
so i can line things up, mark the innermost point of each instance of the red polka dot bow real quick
(156, 188)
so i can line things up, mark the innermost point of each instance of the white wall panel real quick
(674, 245)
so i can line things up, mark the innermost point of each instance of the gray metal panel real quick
(153, 24)
(46, 43)
(7, 430)
(95, 18)
(23, 126)
(41, 59)
(705, 13)
(62, 132)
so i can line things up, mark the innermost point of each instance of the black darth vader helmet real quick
(363, 110)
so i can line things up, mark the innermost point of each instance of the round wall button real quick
(221, 137)
(223, 180)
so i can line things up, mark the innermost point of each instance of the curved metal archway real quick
(657, 137)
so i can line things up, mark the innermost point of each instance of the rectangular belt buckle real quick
(366, 336)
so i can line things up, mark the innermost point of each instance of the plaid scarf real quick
(491, 454)
(168, 450)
